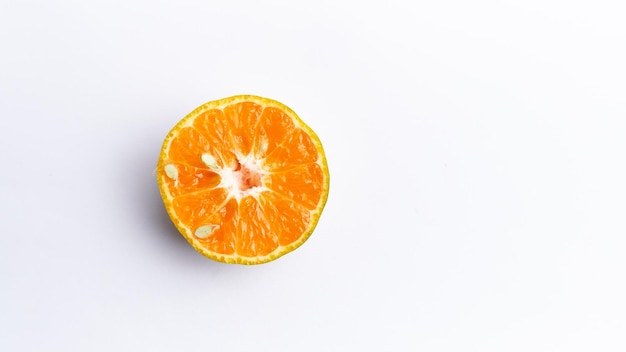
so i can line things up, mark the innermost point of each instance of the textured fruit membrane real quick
(243, 179)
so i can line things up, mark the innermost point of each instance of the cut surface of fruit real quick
(244, 179)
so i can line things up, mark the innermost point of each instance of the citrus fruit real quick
(244, 179)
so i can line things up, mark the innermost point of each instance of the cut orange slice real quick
(244, 179)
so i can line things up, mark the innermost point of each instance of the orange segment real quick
(297, 149)
(200, 208)
(183, 149)
(224, 239)
(216, 130)
(189, 179)
(244, 118)
(256, 236)
(303, 184)
(244, 179)
(288, 218)
(273, 128)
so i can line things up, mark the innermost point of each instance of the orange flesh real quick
(271, 203)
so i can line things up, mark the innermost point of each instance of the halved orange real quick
(244, 179)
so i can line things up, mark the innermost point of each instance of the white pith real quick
(232, 180)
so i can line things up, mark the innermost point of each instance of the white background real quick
(476, 151)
